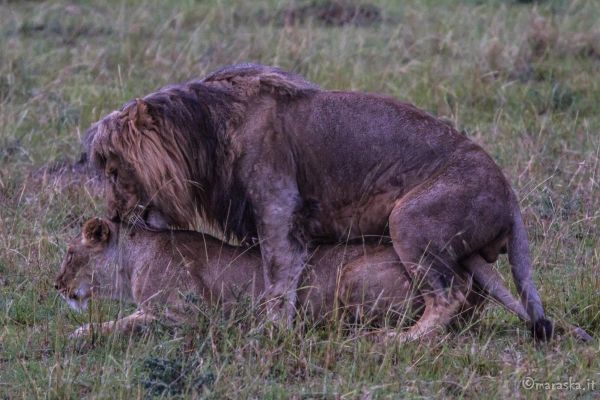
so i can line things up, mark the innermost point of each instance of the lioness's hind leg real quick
(491, 282)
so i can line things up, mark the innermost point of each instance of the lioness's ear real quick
(138, 114)
(95, 231)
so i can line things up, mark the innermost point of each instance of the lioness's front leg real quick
(124, 325)
(276, 204)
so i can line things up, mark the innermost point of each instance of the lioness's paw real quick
(82, 332)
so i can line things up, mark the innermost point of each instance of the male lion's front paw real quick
(280, 310)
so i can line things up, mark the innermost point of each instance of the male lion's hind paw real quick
(542, 330)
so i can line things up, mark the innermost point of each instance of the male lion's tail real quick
(520, 261)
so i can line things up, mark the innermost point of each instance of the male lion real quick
(263, 153)
(167, 274)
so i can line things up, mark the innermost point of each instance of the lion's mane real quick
(179, 143)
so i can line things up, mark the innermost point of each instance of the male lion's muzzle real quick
(147, 217)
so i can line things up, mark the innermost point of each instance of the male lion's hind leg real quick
(443, 293)
(428, 238)
(439, 311)
(124, 325)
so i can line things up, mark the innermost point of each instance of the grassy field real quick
(520, 78)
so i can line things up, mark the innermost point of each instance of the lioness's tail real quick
(520, 261)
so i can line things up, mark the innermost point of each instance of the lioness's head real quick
(88, 268)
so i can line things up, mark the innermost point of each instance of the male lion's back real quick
(269, 76)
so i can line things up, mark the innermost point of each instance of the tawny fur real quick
(262, 153)
(168, 274)
(169, 277)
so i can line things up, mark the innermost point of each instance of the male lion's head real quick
(86, 270)
(147, 158)
(173, 156)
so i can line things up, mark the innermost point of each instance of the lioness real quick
(166, 273)
(259, 152)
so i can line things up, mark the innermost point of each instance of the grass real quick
(521, 78)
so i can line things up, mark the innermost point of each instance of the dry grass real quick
(522, 79)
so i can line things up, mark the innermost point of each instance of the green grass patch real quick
(520, 78)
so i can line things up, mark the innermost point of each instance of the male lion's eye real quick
(112, 175)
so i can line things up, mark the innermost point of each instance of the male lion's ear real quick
(138, 114)
(96, 231)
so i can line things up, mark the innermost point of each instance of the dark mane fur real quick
(181, 152)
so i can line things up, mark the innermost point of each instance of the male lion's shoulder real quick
(254, 78)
